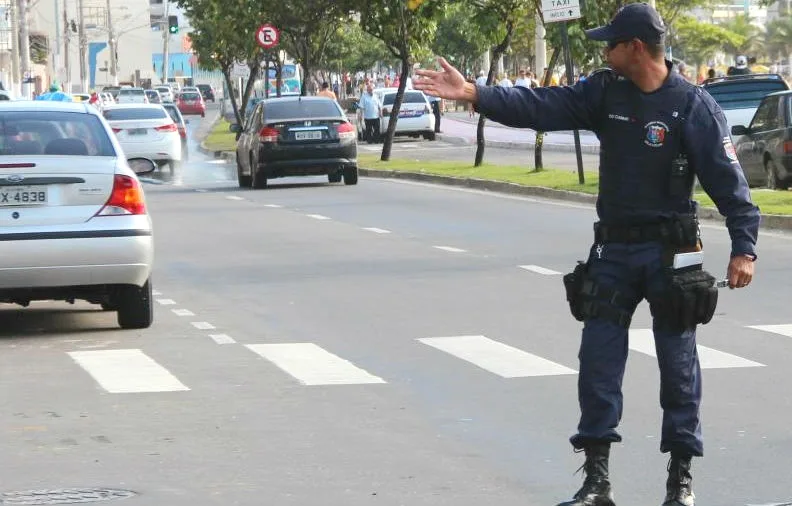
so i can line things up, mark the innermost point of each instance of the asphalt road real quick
(312, 345)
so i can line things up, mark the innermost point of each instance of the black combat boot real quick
(596, 489)
(679, 484)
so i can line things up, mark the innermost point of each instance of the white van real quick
(132, 96)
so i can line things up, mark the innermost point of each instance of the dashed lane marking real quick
(222, 338)
(166, 302)
(234, 197)
(450, 249)
(202, 325)
(183, 312)
(539, 270)
(127, 371)
(274, 206)
(317, 216)
(377, 230)
(784, 330)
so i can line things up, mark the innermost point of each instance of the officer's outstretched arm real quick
(714, 160)
(547, 109)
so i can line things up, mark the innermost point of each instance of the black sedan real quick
(765, 148)
(296, 136)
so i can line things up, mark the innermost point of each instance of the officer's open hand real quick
(740, 272)
(447, 83)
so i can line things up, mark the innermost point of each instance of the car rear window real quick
(191, 95)
(131, 92)
(134, 113)
(291, 109)
(742, 94)
(53, 133)
(174, 114)
(410, 97)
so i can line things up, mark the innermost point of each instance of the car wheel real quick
(134, 305)
(334, 177)
(772, 175)
(203, 114)
(244, 181)
(430, 136)
(173, 165)
(350, 175)
(258, 180)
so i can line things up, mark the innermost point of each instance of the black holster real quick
(573, 283)
(691, 299)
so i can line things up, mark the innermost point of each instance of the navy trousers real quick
(638, 272)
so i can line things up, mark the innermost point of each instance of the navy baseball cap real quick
(633, 21)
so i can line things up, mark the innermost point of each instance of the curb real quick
(560, 148)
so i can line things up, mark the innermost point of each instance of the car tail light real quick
(167, 128)
(268, 134)
(116, 130)
(183, 132)
(346, 131)
(788, 147)
(126, 197)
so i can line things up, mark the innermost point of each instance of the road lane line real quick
(222, 338)
(183, 312)
(156, 292)
(377, 230)
(497, 358)
(317, 216)
(450, 249)
(784, 330)
(201, 190)
(202, 325)
(234, 197)
(274, 206)
(539, 270)
(126, 371)
(642, 341)
(166, 302)
(311, 365)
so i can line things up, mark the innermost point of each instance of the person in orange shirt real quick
(326, 91)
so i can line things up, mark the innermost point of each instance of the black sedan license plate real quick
(22, 195)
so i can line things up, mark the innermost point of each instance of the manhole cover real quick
(63, 496)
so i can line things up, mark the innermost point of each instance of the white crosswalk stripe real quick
(642, 341)
(497, 358)
(126, 371)
(784, 330)
(312, 365)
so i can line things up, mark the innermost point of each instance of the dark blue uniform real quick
(640, 135)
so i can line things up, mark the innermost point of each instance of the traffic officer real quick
(657, 132)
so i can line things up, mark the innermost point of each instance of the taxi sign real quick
(560, 10)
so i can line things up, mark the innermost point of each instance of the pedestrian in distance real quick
(326, 91)
(657, 133)
(523, 79)
(740, 67)
(372, 108)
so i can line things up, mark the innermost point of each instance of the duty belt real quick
(680, 232)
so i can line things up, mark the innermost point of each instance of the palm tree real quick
(778, 40)
(753, 36)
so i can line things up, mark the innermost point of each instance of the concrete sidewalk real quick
(459, 128)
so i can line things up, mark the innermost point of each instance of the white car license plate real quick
(137, 131)
(408, 114)
(310, 135)
(22, 195)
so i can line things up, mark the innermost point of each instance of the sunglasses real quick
(615, 43)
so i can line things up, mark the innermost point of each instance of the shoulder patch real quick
(728, 148)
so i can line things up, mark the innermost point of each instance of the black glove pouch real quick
(692, 298)
(573, 283)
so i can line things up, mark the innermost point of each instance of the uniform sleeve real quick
(547, 109)
(714, 160)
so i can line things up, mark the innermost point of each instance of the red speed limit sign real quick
(267, 36)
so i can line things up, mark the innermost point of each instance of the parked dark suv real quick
(207, 92)
(765, 148)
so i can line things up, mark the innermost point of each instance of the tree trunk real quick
(496, 54)
(227, 76)
(540, 135)
(255, 71)
(394, 116)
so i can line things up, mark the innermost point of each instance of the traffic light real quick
(173, 24)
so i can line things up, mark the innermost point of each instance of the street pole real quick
(66, 44)
(112, 44)
(540, 49)
(570, 81)
(83, 47)
(24, 47)
(652, 4)
(165, 42)
(16, 73)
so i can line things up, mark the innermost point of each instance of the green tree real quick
(698, 41)
(406, 27)
(459, 38)
(752, 35)
(778, 39)
(353, 49)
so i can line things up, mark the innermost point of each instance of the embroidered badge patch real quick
(728, 147)
(655, 133)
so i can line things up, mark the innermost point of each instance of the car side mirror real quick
(739, 130)
(141, 166)
(235, 127)
(186, 122)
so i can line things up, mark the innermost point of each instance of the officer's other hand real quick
(447, 83)
(740, 272)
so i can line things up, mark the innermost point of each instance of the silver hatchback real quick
(73, 217)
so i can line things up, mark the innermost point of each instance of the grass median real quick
(220, 138)
(769, 201)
